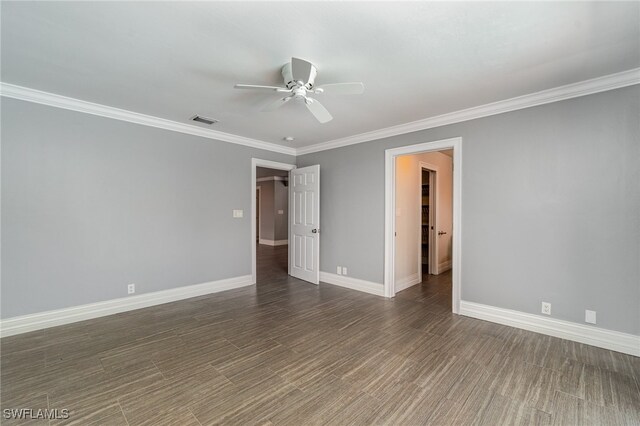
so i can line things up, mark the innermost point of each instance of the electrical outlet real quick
(590, 316)
(238, 213)
(339, 270)
(344, 270)
(546, 308)
(131, 288)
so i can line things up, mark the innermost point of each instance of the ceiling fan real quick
(299, 76)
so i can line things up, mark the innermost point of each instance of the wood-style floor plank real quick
(286, 352)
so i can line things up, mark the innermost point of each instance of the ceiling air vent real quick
(205, 120)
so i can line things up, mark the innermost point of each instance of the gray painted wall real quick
(273, 197)
(281, 203)
(91, 204)
(550, 207)
(267, 221)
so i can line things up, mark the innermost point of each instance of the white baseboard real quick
(444, 266)
(600, 337)
(38, 321)
(352, 283)
(274, 242)
(407, 282)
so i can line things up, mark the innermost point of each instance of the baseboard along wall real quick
(444, 266)
(274, 242)
(600, 337)
(352, 283)
(406, 282)
(38, 321)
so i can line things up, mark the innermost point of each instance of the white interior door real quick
(304, 202)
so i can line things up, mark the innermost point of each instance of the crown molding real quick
(569, 91)
(51, 99)
(574, 90)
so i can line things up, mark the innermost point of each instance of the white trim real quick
(272, 178)
(32, 322)
(258, 208)
(433, 218)
(59, 101)
(600, 337)
(406, 282)
(352, 283)
(390, 218)
(569, 91)
(274, 242)
(587, 87)
(255, 163)
(444, 266)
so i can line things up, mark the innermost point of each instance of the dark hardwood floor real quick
(288, 352)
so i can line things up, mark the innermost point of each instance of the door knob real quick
(315, 231)
(441, 232)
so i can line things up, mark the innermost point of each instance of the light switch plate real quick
(238, 213)
(280, 211)
(590, 316)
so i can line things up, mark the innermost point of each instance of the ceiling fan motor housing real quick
(289, 81)
(299, 77)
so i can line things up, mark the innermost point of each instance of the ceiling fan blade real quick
(255, 86)
(319, 112)
(301, 70)
(341, 88)
(277, 104)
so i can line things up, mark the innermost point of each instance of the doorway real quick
(269, 211)
(272, 223)
(428, 210)
(298, 222)
(405, 217)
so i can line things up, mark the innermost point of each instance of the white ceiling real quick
(174, 60)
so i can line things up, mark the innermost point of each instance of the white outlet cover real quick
(238, 213)
(590, 316)
(546, 308)
(344, 270)
(339, 270)
(280, 211)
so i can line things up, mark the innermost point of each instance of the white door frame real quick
(433, 218)
(258, 207)
(390, 208)
(255, 163)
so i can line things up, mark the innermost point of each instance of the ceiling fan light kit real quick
(299, 78)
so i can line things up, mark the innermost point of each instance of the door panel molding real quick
(304, 207)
